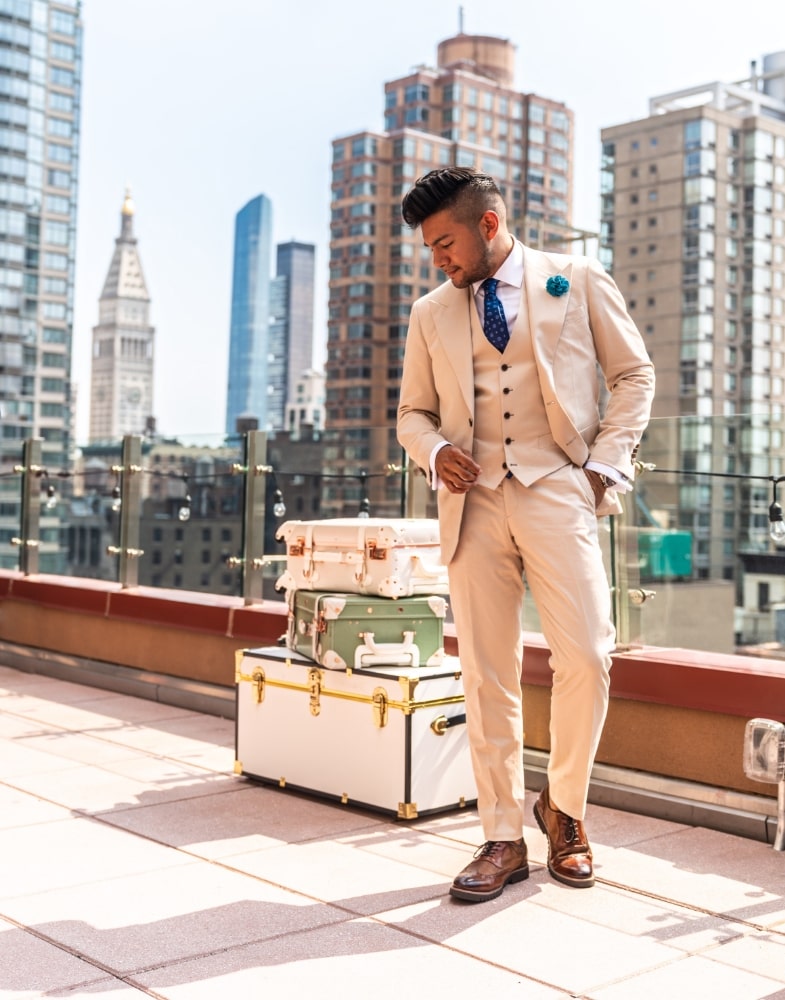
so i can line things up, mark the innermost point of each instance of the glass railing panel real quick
(690, 562)
(703, 572)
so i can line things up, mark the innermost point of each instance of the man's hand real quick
(456, 468)
(597, 486)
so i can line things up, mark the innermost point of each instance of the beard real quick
(480, 268)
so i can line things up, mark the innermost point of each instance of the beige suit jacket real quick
(571, 335)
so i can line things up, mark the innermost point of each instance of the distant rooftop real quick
(761, 93)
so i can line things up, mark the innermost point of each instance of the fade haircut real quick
(466, 192)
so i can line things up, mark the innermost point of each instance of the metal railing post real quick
(29, 540)
(254, 510)
(128, 549)
(416, 491)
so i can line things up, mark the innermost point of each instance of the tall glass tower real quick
(40, 74)
(248, 338)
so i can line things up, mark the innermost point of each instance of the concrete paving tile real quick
(141, 780)
(692, 976)
(531, 940)
(19, 760)
(242, 818)
(70, 746)
(106, 714)
(705, 868)
(47, 856)
(414, 847)
(616, 828)
(357, 958)
(14, 727)
(154, 918)
(183, 735)
(758, 951)
(441, 919)
(361, 882)
(636, 914)
(31, 967)
(16, 684)
(18, 809)
(462, 825)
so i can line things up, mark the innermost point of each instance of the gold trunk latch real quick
(380, 707)
(258, 680)
(315, 684)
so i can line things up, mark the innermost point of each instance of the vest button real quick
(505, 367)
(507, 416)
(504, 465)
(508, 440)
(505, 391)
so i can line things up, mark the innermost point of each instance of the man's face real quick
(458, 249)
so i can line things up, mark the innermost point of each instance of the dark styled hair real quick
(464, 190)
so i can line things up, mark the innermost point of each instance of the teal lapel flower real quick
(556, 285)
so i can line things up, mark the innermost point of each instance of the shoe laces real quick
(489, 849)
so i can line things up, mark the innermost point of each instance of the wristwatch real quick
(606, 480)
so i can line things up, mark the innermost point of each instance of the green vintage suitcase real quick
(352, 631)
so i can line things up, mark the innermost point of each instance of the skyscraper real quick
(271, 336)
(464, 112)
(296, 263)
(249, 331)
(40, 75)
(121, 379)
(693, 220)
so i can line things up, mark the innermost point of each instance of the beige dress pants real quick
(550, 530)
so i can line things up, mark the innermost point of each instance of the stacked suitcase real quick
(361, 705)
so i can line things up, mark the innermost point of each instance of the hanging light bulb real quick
(365, 508)
(184, 511)
(776, 524)
(279, 507)
(117, 501)
(51, 497)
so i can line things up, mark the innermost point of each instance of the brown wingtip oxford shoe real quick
(569, 854)
(495, 864)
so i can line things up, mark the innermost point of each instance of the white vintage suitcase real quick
(385, 557)
(391, 739)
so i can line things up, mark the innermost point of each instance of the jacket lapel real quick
(546, 311)
(452, 320)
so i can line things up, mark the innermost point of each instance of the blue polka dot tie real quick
(494, 320)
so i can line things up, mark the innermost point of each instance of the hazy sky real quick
(200, 105)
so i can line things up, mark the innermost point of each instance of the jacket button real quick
(508, 440)
(507, 416)
(505, 367)
(505, 391)
(504, 465)
(471, 422)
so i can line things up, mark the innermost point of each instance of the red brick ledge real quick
(744, 686)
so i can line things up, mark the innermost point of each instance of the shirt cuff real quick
(621, 484)
(436, 483)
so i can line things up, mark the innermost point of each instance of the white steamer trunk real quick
(391, 739)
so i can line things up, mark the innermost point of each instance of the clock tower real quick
(121, 377)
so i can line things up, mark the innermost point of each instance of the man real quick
(500, 404)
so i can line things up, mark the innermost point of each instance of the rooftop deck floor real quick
(133, 862)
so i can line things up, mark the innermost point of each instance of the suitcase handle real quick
(397, 654)
(442, 723)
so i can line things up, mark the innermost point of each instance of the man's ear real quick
(489, 224)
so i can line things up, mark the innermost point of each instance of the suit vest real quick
(511, 430)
